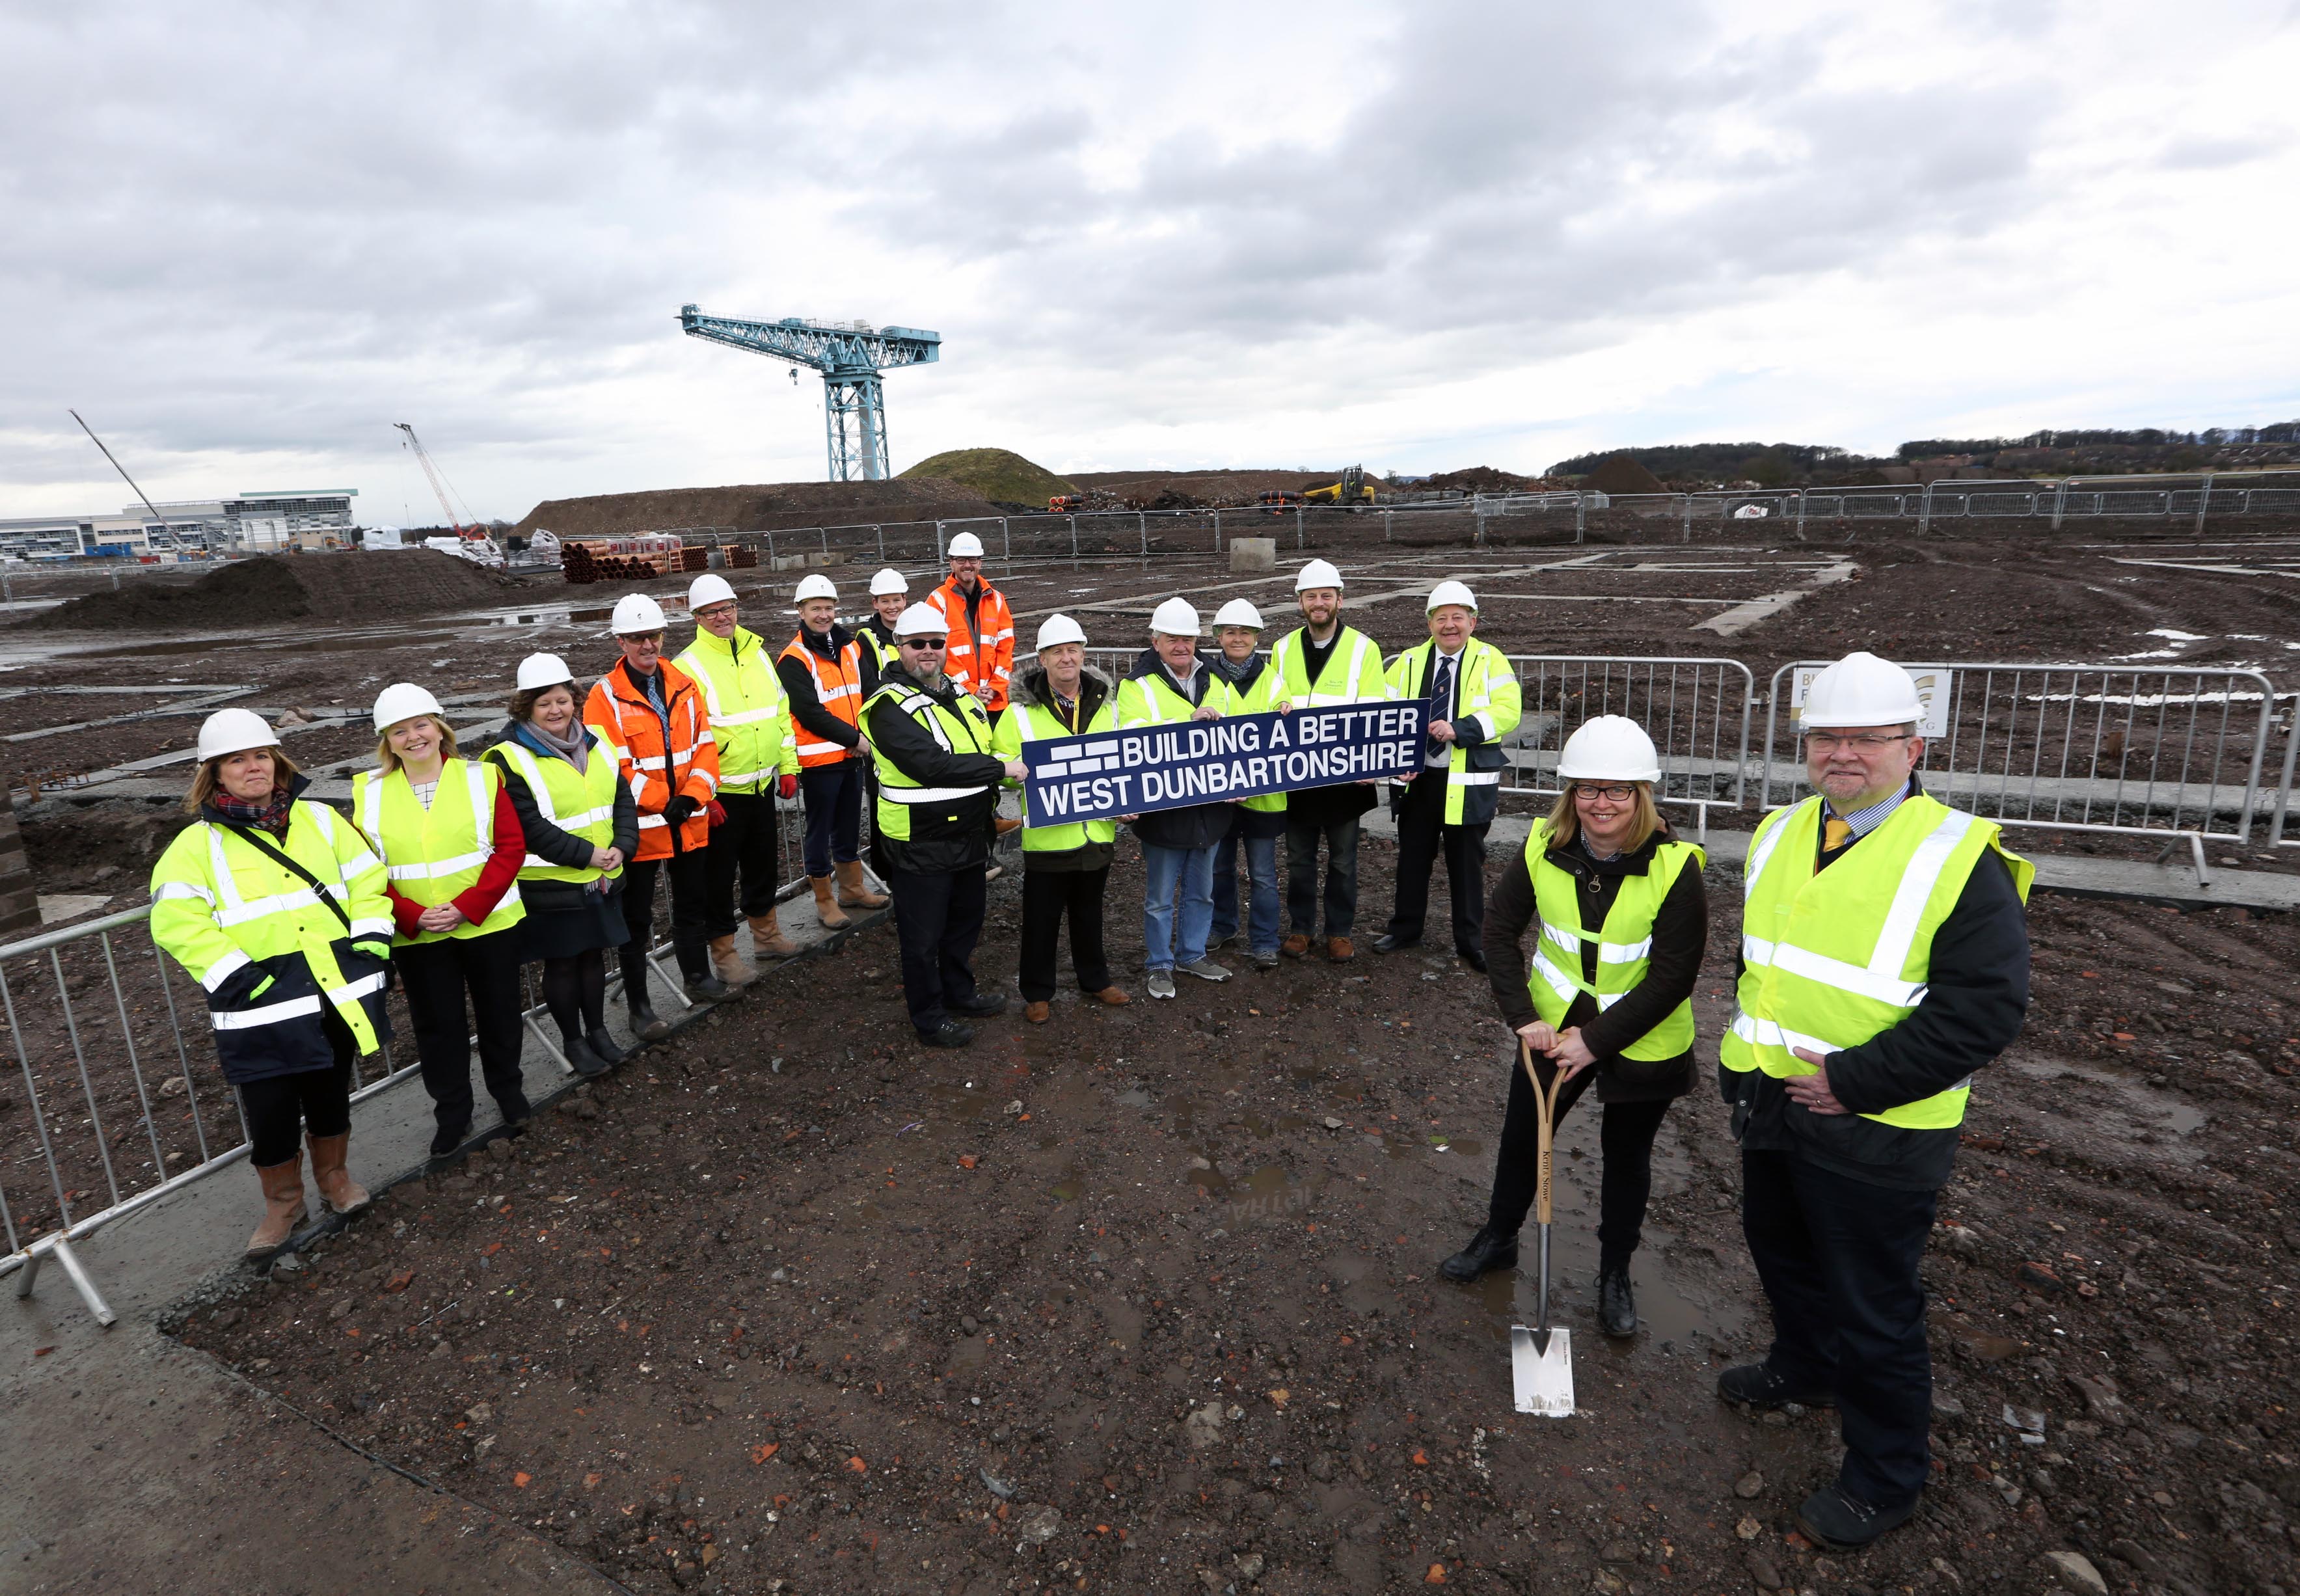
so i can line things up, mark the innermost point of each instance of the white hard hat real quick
(968, 544)
(1317, 573)
(1863, 690)
(404, 701)
(1059, 628)
(1452, 593)
(636, 612)
(921, 620)
(1238, 612)
(888, 580)
(228, 731)
(709, 588)
(1609, 748)
(816, 587)
(1175, 618)
(543, 670)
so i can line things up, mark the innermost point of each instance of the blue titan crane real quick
(850, 355)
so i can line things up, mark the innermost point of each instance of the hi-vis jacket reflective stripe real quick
(839, 685)
(750, 715)
(1257, 698)
(267, 951)
(1486, 692)
(1624, 942)
(1030, 723)
(431, 855)
(905, 810)
(580, 805)
(882, 648)
(971, 659)
(618, 710)
(1352, 672)
(1832, 958)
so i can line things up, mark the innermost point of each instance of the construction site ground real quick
(1145, 1298)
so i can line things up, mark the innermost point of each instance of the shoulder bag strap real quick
(263, 844)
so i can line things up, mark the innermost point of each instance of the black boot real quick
(1487, 1250)
(580, 1056)
(710, 989)
(646, 1025)
(603, 1045)
(1617, 1304)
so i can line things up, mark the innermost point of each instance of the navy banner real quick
(1101, 776)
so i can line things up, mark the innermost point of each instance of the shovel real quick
(1541, 1359)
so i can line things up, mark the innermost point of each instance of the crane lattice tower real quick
(850, 355)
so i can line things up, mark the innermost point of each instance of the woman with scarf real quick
(277, 908)
(580, 824)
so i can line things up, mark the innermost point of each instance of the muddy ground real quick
(1145, 1298)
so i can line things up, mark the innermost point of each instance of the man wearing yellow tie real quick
(1884, 964)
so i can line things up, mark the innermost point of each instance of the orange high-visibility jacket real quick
(838, 687)
(620, 712)
(971, 659)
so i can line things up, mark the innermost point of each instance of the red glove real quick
(717, 812)
(787, 787)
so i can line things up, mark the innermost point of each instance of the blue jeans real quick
(1192, 870)
(1261, 873)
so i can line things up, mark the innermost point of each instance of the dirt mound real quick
(1622, 474)
(1182, 490)
(1487, 479)
(999, 474)
(246, 593)
(758, 507)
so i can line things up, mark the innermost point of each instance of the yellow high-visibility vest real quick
(580, 804)
(431, 855)
(1832, 958)
(1624, 942)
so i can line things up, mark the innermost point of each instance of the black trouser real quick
(745, 843)
(575, 991)
(1340, 836)
(834, 814)
(435, 975)
(1047, 896)
(1422, 836)
(689, 945)
(1626, 1135)
(1839, 1258)
(280, 1108)
(937, 921)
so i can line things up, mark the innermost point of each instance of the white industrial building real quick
(259, 522)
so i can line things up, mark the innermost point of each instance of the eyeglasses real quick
(929, 644)
(1859, 743)
(642, 637)
(1610, 794)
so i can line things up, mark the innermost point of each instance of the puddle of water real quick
(322, 645)
(1070, 1184)
(1135, 1098)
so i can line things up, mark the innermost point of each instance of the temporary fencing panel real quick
(2169, 751)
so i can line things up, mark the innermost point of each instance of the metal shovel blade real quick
(1541, 1362)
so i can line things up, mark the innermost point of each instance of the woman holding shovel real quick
(1620, 924)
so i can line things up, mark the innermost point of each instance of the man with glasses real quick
(931, 743)
(1884, 963)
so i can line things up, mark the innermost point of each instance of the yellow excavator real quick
(1352, 489)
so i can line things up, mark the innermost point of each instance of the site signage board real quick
(1101, 776)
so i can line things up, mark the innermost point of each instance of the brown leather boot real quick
(1036, 1013)
(1112, 995)
(728, 963)
(337, 1189)
(1340, 950)
(852, 891)
(1294, 946)
(283, 1207)
(826, 904)
(767, 937)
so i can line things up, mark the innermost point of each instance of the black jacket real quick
(798, 682)
(1026, 688)
(1199, 825)
(945, 837)
(1680, 938)
(547, 842)
(1976, 996)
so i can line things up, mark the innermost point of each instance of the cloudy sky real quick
(244, 239)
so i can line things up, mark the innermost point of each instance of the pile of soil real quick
(1182, 490)
(759, 507)
(263, 592)
(1622, 474)
(1487, 479)
(999, 474)
(1145, 1299)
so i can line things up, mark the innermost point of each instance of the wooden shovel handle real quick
(1545, 1100)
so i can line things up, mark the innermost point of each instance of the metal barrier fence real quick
(2167, 751)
